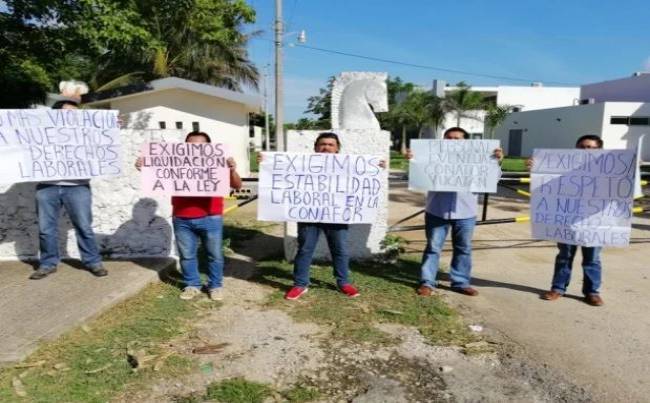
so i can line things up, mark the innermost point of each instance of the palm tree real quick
(184, 54)
(463, 100)
(495, 115)
(180, 46)
(436, 111)
(418, 109)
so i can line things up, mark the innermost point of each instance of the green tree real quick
(303, 124)
(462, 100)
(396, 120)
(200, 40)
(109, 43)
(321, 106)
(495, 115)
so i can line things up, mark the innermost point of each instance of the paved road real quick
(604, 349)
(31, 311)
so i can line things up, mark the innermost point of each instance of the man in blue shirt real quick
(76, 198)
(455, 211)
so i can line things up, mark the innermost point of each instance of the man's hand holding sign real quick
(324, 192)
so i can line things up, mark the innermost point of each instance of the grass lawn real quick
(398, 161)
(252, 157)
(95, 363)
(387, 296)
(91, 363)
(514, 164)
(240, 390)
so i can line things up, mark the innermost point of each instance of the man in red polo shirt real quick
(201, 218)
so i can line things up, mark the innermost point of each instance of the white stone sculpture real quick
(356, 125)
(353, 94)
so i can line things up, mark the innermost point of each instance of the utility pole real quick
(267, 133)
(280, 137)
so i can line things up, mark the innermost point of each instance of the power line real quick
(422, 66)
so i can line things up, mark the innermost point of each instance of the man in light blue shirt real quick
(445, 211)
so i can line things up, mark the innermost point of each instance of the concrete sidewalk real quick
(605, 350)
(36, 310)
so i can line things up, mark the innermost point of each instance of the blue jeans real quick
(436, 229)
(337, 239)
(209, 230)
(77, 201)
(590, 266)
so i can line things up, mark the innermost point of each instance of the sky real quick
(568, 42)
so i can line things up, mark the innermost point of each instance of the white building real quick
(618, 111)
(520, 98)
(176, 103)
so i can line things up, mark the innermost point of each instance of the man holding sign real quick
(455, 210)
(581, 198)
(322, 192)
(74, 195)
(198, 174)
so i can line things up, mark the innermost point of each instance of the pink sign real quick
(185, 169)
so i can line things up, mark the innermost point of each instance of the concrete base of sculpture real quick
(364, 239)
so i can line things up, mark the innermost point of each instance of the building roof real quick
(251, 101)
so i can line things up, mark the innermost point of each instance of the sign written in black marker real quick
(185, 169)
(583, 197)
(55, 144)
(327, 188)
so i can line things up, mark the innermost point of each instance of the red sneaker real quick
(295, 293)
(350, 291)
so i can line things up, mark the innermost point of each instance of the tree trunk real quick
(403, 140)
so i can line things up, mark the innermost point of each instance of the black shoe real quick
(41, 272)
(98, 271)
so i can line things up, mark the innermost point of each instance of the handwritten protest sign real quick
(185, 169)
(454, 166)
(583, 197)
(328, 188)
(53, 144)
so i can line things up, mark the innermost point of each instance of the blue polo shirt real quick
(452, 205)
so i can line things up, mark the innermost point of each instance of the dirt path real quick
(267, 345)
(605, 350)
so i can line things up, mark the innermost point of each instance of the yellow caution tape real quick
(229, 209)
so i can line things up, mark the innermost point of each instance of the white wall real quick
(126, 223)
(526, 98)
(629, 89)
(552, 128)
(533, 98)
(624, 136)
(256, 140)
(223, 120)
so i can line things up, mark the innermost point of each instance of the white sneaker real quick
(189, 293)
(216, 294)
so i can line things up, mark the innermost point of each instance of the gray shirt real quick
(452, 205)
